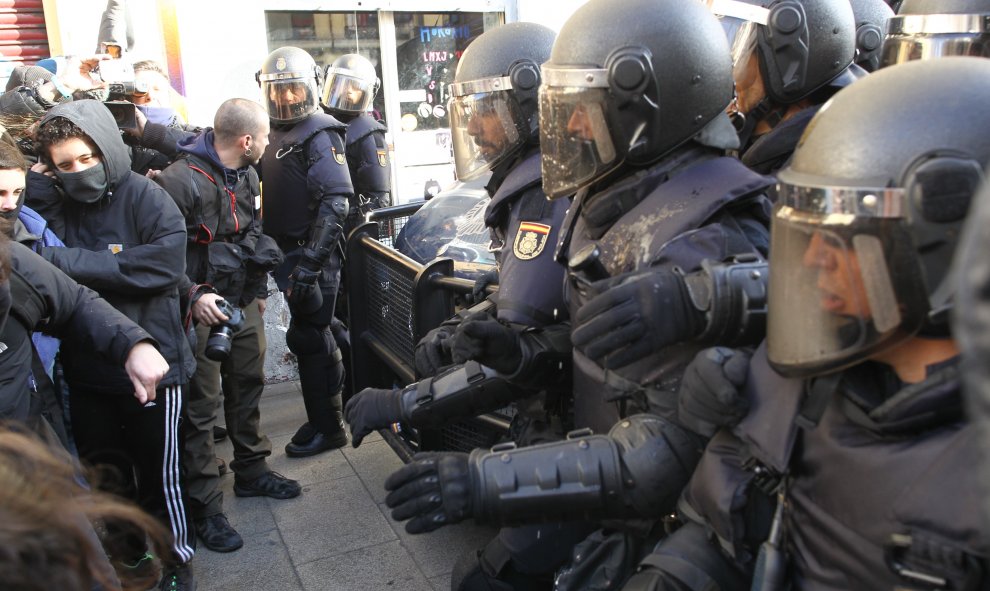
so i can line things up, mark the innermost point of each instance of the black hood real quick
(98, 123)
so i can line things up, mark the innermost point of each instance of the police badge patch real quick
(382, 159)
(340, 158)
(530, 240)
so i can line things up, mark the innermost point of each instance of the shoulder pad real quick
(310, 126)
(361, 127)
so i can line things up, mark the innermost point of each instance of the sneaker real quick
(219, 433)
(141, 574)
(178, 578)
(270, 484)
(217, 533)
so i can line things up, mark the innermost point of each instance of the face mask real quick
(11, 215)
(86, 186)
(161, 115)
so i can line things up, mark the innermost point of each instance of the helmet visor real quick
(346, 92)
(486, 127)
(575, 141)
(844, 284)
(926, 36)
(740, 21)
(289, 100)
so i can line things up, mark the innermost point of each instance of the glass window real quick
(327, 36)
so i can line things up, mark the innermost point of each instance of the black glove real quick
(433, 351)
(487, 341)
(432, 490)
(372, 409)
(303, 278)
(633, 316)
(710, 390)
(487, 278)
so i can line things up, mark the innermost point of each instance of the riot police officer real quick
(632, 116)
(307, 188)
(856, 429)
(350, 88)
(788, 57)
(920, 30)
(495, 128)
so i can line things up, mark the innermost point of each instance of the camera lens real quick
(218, 343)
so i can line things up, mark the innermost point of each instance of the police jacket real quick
(772, 150)
(129, 246)
(369, 163)
(526, 225)
(691, 206)
(45, 299)
(304, 171)
(880, 487)
(223, 219)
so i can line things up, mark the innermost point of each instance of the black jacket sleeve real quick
(75, 312)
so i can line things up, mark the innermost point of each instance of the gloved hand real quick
(489, 277)
(432, 490)
(487, 341)
(303, 278)
(433, 351)
(710, 394)
(371, 409)
(634, 315)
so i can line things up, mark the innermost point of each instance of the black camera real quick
(218, 343)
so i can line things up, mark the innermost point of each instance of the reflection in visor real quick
(485, 128)
(575, 141)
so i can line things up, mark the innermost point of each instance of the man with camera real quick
(227, 263)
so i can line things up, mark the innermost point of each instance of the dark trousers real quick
(241, 378)
(138, 452)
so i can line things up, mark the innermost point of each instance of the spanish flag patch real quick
(530, 240)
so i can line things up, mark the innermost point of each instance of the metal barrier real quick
(394, 302)
(390, 220)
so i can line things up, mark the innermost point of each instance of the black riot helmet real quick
(493, 100)
(801, 45)
(351, 85)
(869, 212)
(871, 24)
(290, 84)
(627, 83)
(925, 29)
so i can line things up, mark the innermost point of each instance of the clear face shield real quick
(486, 125)
(288, 97)
(926, 36)
(576, 144)
(845, 281)
(347, 92)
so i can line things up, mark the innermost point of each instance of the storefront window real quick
(327, 36)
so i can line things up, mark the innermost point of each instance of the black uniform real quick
(305, 171)
(687, 208)
(884, 522)
(370, 166)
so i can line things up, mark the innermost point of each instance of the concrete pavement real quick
(337, 536)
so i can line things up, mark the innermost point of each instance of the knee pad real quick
(309, 339)
(470, 575)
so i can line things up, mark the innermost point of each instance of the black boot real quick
(319, 375)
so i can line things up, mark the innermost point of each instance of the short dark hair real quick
(57, 130)
(237, 117)
(149, 66)
(11, 158)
